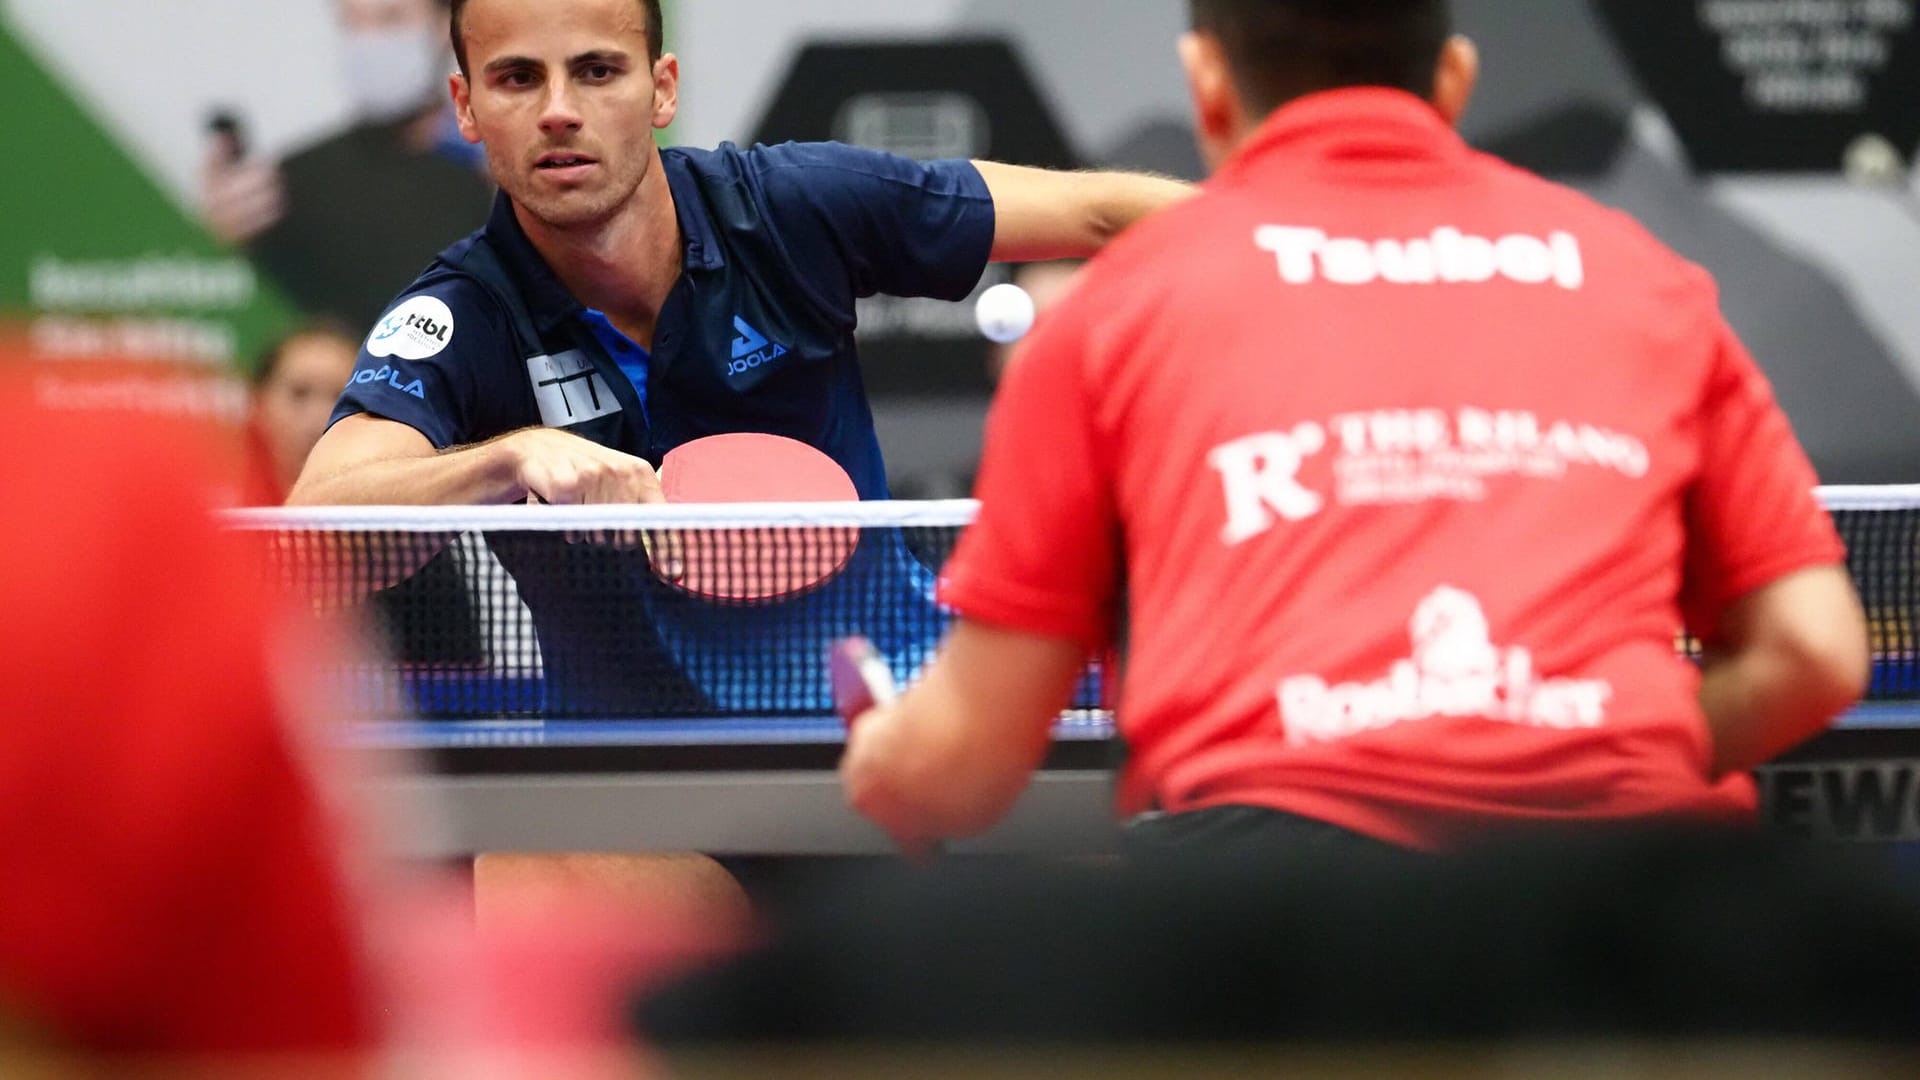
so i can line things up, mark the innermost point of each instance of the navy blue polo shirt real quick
(756, 335)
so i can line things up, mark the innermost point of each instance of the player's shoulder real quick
(812, 166)
(1608, 235)
(445, 308)
(759, 163)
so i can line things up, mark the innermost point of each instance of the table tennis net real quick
(579, 613)
(624, 613)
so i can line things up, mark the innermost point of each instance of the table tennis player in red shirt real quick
(1411, 465)
(173, 888)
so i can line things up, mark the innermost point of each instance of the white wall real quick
(150, 70)
(733, 52)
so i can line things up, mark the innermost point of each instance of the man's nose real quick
(561, 112)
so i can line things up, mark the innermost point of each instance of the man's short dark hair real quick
(1284, 49)
(656, 29)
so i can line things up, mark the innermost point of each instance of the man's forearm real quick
(474, 475)
(1044, 214)
(1760, 705)
(1790, 657)
(954, 753)
(1119, 199)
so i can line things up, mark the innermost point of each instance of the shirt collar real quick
(548, 300)
(1383, 117)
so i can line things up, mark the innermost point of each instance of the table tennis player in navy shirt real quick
(624, 299)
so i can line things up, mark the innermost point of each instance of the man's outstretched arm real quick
(950, 757)
(1045, 214)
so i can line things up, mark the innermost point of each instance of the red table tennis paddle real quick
(752, 563)
(860, 678)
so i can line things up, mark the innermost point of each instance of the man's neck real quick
(623, 267)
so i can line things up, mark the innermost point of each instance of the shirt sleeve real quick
(897, 226)
(1752, 516)
(420, 364)
(1044, 555)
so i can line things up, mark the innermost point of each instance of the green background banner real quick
(93, 247)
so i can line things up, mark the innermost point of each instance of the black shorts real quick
(1231, 831)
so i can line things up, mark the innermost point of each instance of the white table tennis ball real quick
(1005, 313)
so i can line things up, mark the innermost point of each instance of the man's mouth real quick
(564, 161)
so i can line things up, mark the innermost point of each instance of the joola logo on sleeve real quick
(751, 349)
(387, 377)
(1446, 257)
(417, 329)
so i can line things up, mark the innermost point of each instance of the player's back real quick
(1404, 444)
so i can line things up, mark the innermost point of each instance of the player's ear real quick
(1216, 100)
(1455, 78)
(462, 92)
(666, 90)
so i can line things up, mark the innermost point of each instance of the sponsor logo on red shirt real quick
(1455, 670)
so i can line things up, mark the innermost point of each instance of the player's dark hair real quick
(1280, 50)
(656, 30)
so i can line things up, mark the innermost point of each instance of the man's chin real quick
(571, 210)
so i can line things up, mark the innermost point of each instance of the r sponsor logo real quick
(1406, 457)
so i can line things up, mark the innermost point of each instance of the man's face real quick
(564, 97)
(371, 15)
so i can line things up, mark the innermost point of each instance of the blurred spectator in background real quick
(174, 885)
(294, 390)
(191, 886)
(336, 223)
(430, 616)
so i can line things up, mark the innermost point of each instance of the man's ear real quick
(463, 106)
(1218, 116)
(666, 90)
(1456, 77)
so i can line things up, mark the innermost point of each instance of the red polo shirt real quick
(1413, 464)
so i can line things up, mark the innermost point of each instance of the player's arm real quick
(1766, 588)
(1046, 214)
(1789, 657)
(365, 460)
(1036, 580)
(950, 757)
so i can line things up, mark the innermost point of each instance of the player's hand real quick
(240, 199)
(564, 469)
(865, 774)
